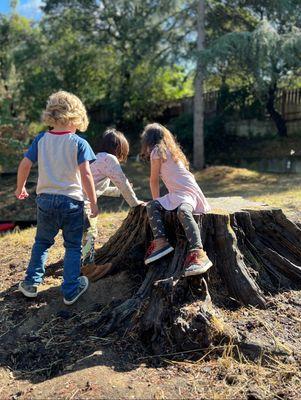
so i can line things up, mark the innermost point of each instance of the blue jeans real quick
(56, 212)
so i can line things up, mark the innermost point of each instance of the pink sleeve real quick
(154, 155)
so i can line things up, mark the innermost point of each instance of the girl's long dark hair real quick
(157, 135)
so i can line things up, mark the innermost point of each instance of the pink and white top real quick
(106, 168)
(181, 185)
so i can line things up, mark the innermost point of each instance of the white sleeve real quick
(117, 176)
(111, 191)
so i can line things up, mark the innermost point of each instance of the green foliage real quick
(264, 54)
(182, 128)
(15, 32)
(120, 64)
(239, 103)
(12, 146)
(159, 86)
(129, 44)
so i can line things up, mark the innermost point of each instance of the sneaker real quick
(83, 286)
(154, 252)
(196, 263)
(27, 289)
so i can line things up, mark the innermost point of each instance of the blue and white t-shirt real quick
(59, 156)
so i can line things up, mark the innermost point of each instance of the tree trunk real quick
(275, 115)
(256, 252)
(198, 109)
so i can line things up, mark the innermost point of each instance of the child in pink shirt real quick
(169, 163)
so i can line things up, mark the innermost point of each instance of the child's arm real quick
(111, 191)
(23, 173)
(112, 169)
(88, 186)
(155, 177)
(125, 188)
(103, 187)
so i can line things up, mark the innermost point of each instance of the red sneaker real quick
(156, 251)
(196, 263)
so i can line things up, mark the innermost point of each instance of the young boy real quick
(64, 172)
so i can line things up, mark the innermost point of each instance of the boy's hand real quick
(23, 172)
(21, 194)
(94, 210)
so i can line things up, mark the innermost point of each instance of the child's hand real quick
(21, 194)
(141, 203)
(94, 210)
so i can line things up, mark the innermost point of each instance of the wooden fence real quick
(288, 103)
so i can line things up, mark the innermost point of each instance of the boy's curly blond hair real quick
(64, 108)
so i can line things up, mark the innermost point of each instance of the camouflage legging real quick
(89, 237)
(184, 213)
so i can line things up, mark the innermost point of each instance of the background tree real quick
(265, 55)
(198, 111)
(136, 39)
(229, 16)
(14, 32)
(130, 59)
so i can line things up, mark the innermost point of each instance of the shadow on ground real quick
(43, 337)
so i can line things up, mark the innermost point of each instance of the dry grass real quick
(279, 190)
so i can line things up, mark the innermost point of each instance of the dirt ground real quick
(45, 355)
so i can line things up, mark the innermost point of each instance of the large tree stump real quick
(256, 252)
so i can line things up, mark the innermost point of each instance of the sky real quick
(28, 8)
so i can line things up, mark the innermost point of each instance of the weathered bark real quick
(255, 250)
